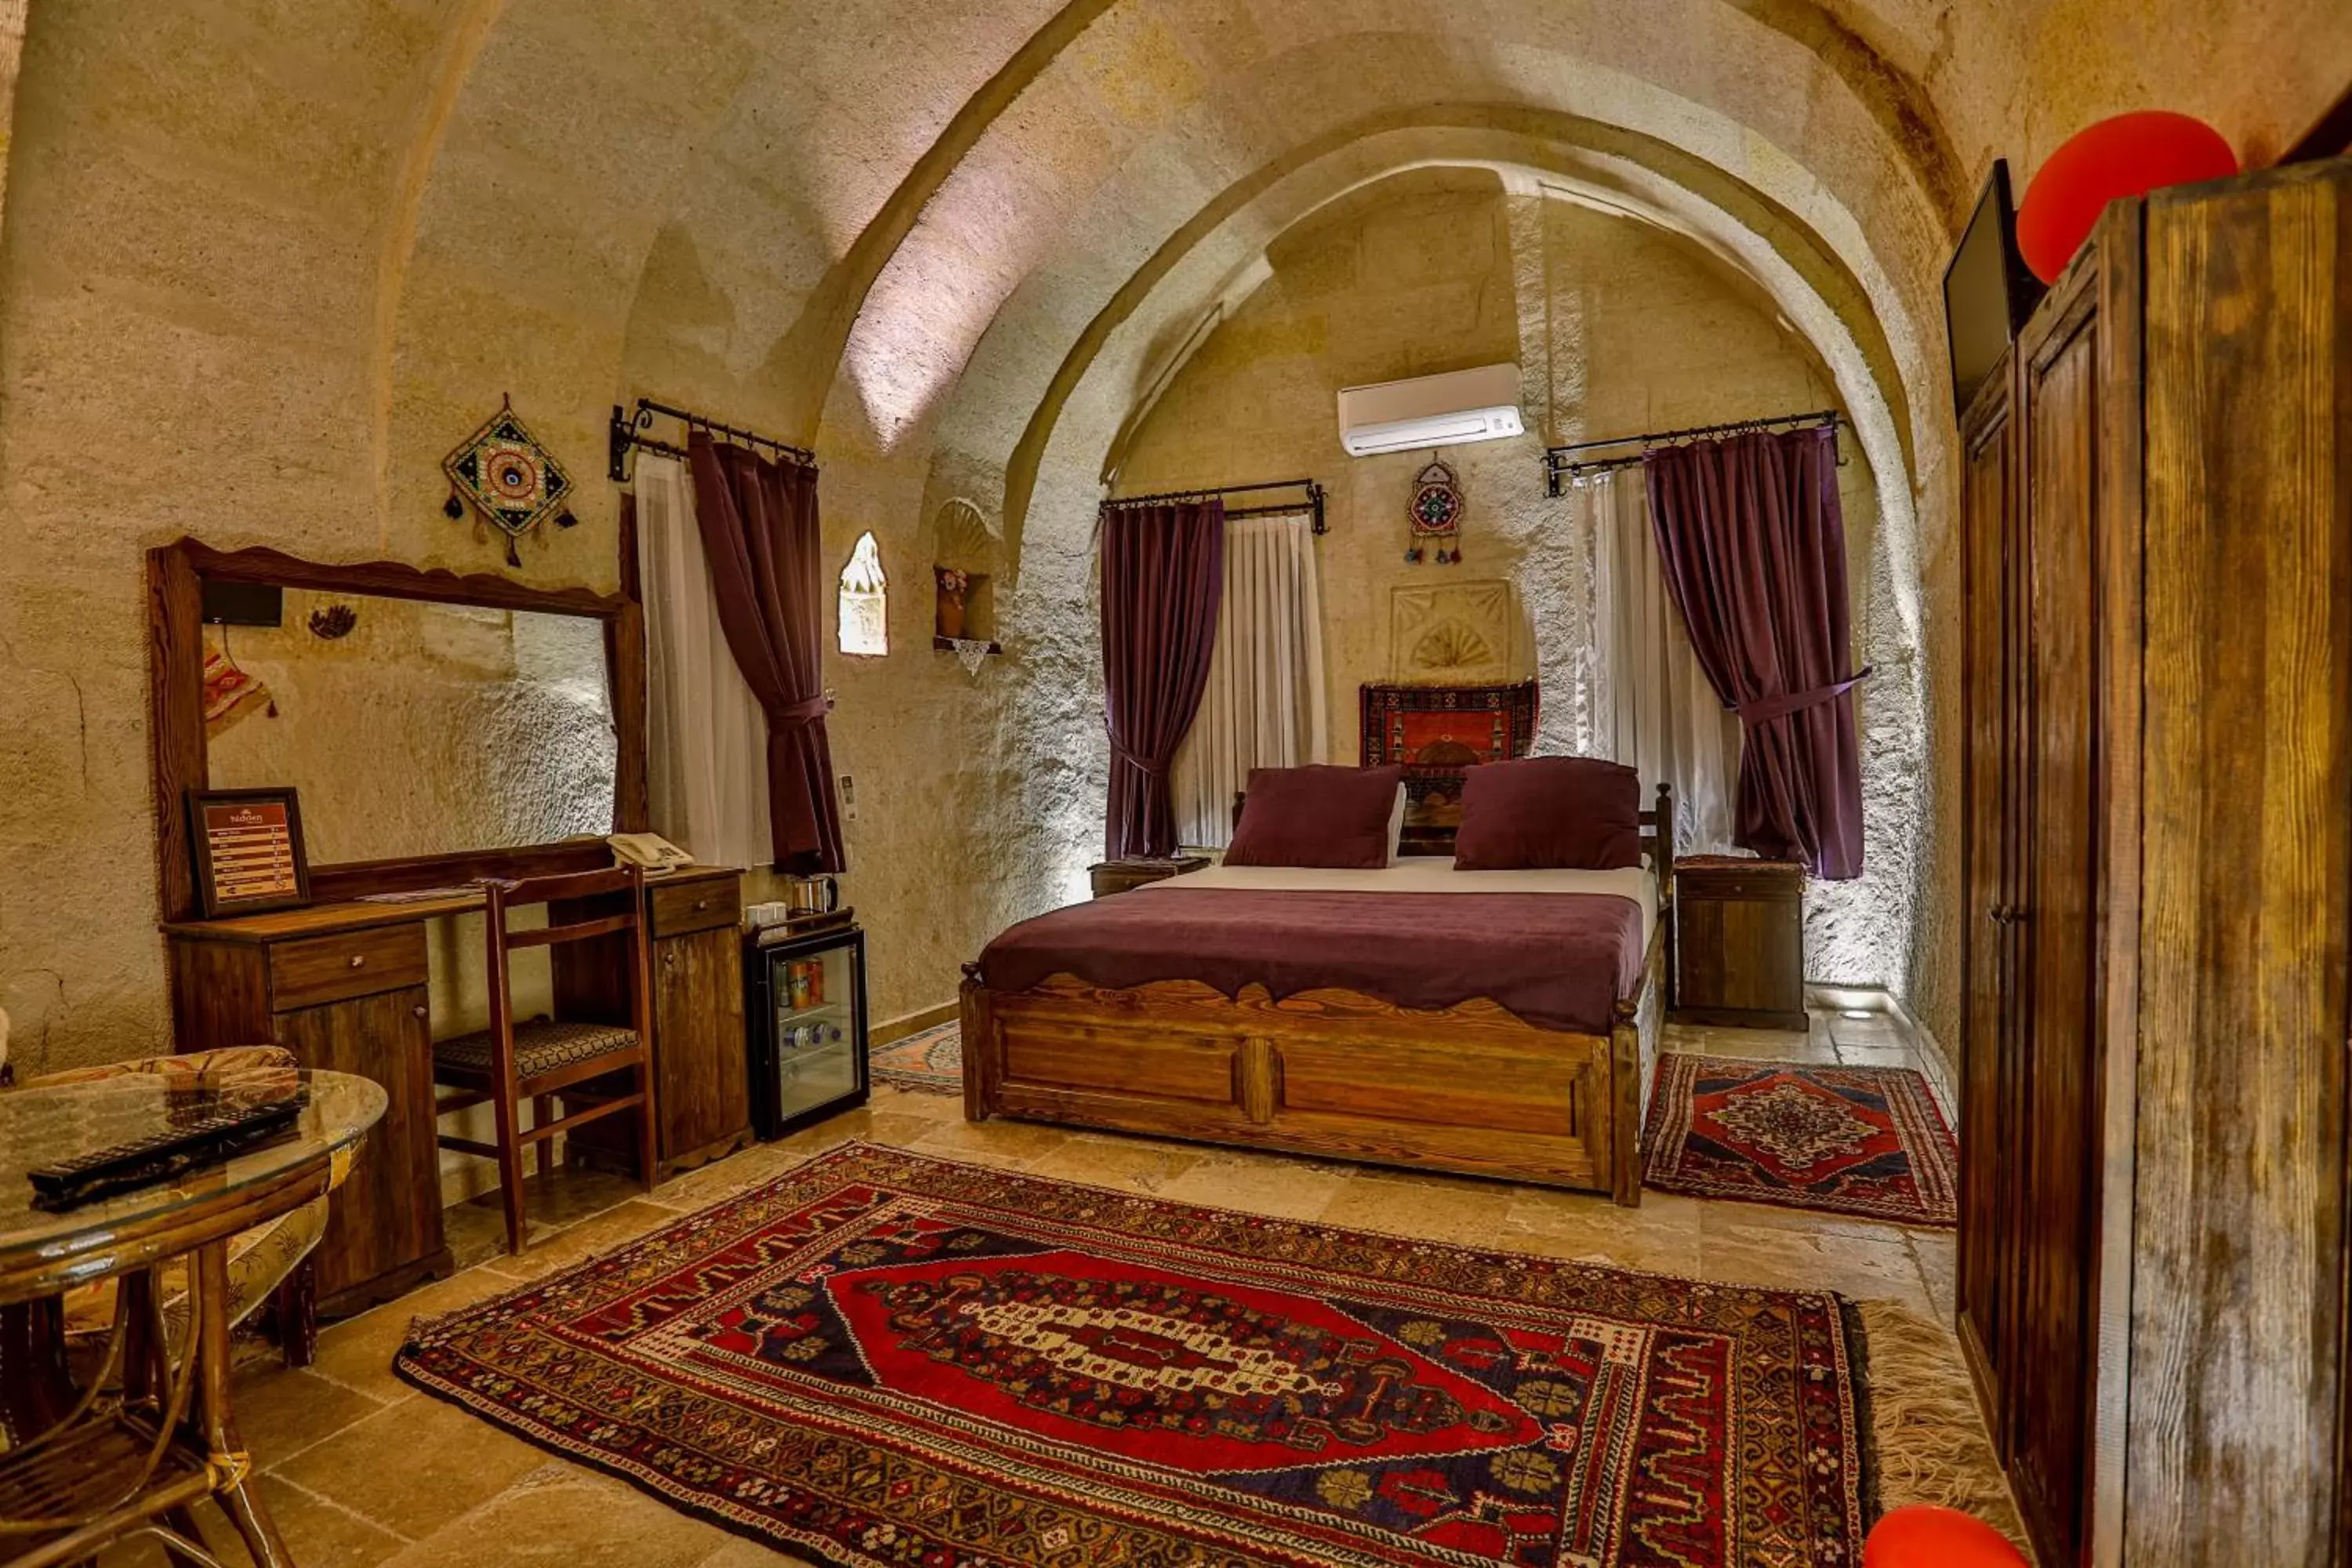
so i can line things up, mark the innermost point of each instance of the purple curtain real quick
(1164, 573)
(1753, 546)
(759, 527)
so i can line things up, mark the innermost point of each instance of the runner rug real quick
(931, 1061)
(884, 1359)
(1850, 1141)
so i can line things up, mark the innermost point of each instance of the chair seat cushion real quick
(542, 1046)
(259, 1259)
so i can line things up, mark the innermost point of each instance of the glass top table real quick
(87, 1469)
(40, 1250)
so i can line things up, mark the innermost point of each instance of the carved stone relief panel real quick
(1454, 633)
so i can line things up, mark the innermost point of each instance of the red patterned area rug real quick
(883, 1359)
(1851, 1141)
(931, 1061)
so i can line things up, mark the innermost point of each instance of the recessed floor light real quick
(1858, 1013)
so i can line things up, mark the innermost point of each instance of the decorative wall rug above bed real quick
(1854, 1141)
(882, 1359)
(931, 1061)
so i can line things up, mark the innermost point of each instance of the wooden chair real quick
(544, 1059)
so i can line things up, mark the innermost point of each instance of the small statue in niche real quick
(512, 480)
(952, 585)
(1435, 515)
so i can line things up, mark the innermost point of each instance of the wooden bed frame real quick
(1469, 1089)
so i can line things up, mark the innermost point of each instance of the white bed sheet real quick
(1429, 874)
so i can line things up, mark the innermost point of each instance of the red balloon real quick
(1924, 1537)
(2129, 156)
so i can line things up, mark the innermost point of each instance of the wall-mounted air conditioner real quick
(1447, 410)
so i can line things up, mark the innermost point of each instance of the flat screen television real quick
(1988, 291)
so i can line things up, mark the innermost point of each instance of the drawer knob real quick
(700, 905)
(418, 1010)
(358, 961)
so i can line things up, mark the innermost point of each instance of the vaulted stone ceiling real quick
(270, 255)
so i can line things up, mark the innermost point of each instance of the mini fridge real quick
(806, 1013)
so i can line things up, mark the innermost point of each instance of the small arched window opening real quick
(865, 601)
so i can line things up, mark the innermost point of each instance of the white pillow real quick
(1396, 825)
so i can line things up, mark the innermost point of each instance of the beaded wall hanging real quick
(511, 481)
(1436, 515)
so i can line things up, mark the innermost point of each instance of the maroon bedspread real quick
(1559, 961)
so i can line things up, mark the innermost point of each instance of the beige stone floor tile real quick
(1661, 1237)
(1880, 1056)
(1130, 1165)
(707, 1184)
(565, 1516)
(476, 1228)
(1225, 1178)
(1733, 1251)
(1460, 1210)
(476, 1235)
(357, 1352)
(1774, 1216)
(317, 1534)
(997, 1142)
(741, 1552)
(1938, 1254)
(1753, 1045)
(414, 1466)
(280, 1412)
(613, 1227)
(931, 1107)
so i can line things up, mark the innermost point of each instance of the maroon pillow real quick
(1549, 812)
(1317, 816)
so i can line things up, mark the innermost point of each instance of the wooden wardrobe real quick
(2157, 810)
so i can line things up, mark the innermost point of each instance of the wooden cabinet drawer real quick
(1763, 884)
(321, 969)
(703, 904)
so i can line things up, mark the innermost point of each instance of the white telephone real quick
(650, 851)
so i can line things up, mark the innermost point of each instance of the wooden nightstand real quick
(1739, 940)
(1118, 876)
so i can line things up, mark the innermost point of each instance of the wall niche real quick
(966, 553)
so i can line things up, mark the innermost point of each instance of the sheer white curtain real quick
(1264, 704)
(1652, 706)
(708, 767)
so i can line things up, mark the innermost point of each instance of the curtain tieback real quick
(1764, 709)
(791, 715)
(1136, 759)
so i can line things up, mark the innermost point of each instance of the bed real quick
(1499, 1024)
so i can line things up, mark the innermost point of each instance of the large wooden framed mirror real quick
(439, 728)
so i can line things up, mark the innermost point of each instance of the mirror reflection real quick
(414, 728)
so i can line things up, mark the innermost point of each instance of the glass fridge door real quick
(818, 1035)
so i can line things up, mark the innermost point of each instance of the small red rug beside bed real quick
(882, 1359)
(1851, 1141)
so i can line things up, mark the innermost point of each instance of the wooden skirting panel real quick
(1336, 1073)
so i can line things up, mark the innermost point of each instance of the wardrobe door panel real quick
(2236, 1378)
(2054, 1328)
(1989, 720)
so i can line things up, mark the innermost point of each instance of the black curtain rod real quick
(628, 434)
(1313, 504)
(1559, 466)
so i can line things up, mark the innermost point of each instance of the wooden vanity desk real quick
(344, 988)
(343, 983)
